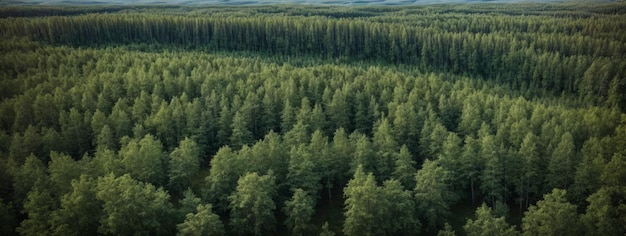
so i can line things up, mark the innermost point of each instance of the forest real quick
(460, 119)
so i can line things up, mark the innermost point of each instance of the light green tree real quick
(433, 195)
(299, 211)
(145, 160)
(553, 215)
(362, 205)
(183, 164)
(606, 212)
(131, 207)
(488, 224)
(80, 211)
(405, 168)
(252, 205)
(202, 223)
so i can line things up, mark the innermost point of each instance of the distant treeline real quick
(582, 56)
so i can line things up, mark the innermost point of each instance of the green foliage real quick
(362, 204)
(405, 168)
(299, 211)
(433, 195)
(606, 212)
(326, 231)
(80, 211)
(97, 111)
(486, 223)
(553, 215)
(144, 160)
(204, 222)
(252, 205)
(184, 163)
(38, 207)
(131, 207)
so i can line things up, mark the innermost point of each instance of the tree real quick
(342, 150)
(561, 165)
(38, 207)
(184, 163)
(339, 110)
(589, 171)
(487, 224)
(299, 211)
(398, 217)
(105, 139)
(326, 230)
(494, 171)
(553, 215)
(327, 164)
(226, 168)
(301, 172)
(405, 168)
(363, 153)
(203, 222)
(80, 211)
(386, 147)
(76, 132)
(433, 195)
(450, 159)
(446, 231)
(31, 175)
(145, 160)
(131, 207)
(471, 164)
(606, 212)
(62, 171)
(241, 135)
(188, 204)
(529, 184)
(362, 205)
(252, 205)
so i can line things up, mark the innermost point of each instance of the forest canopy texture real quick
(484, 119)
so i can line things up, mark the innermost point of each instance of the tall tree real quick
(80, 211)
(433, 195)
(145, 160)
(252, 205)
(471, 164)
(184, 163)
(553, 215)
(38, 207)
(529, 185)
(494, 171)
(203, 222)
(299, 211)
(362, 204)
(398, 215)
(487, 224)
(386, 147)
(132, 207)
(606, 212)
(301, 171)
(561, 165)
(241, 134)
(405, 168)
